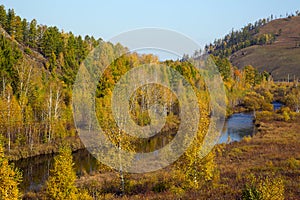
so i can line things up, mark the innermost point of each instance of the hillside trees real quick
(247, 86)
(224, 67)
(51, 42)
(11, 23)
(9, 55)
(40, 97)
(247, 36)
(3, 17)
(63, 50)
(32, 34)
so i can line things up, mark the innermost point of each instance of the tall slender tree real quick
(3, 17)
(11, 22)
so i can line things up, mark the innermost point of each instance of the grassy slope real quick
(280, 58)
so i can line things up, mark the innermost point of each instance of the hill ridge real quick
(281, 57)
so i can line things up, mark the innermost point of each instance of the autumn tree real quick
(10, 178)
(265, 188)
(252, 77)
(61, 183)
(293, 99)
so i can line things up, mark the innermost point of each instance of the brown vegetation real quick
(280, 58)
(271, 158)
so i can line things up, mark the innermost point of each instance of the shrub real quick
(263, 188)
(178, 191)
(27, 51)
(293, 163)
(264, 115)
(247, 138)
(255, 101)
(271, 188)
(251, 193)
(161, 187)
(235, 152)
(286, 116)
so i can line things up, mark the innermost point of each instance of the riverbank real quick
(23, 152)
(17, 153)
(274, 151)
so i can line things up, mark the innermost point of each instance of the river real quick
(236, 127)
(36, 170)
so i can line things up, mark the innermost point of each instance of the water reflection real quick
(36, 170)
(277, 105)
(236, 127)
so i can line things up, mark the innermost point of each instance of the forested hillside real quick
(270, 44)
(38, 67)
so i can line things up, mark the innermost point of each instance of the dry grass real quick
(275, 150)
(280, 58)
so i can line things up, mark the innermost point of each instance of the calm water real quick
(240, 125)
(36, 169)
(236, 127)
(277, 105)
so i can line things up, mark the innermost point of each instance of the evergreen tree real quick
(25, 31)
(9, 55)
(32, 35)
(3, 17)
(18, 29)
(11, 22)
(51, 42)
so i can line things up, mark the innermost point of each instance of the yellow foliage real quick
(271, 188)
(61, 183)
(264, 188)
(9, 179)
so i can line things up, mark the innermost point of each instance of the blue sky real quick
(203, 21)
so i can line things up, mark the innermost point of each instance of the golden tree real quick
(10, 178)
(61, 183)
